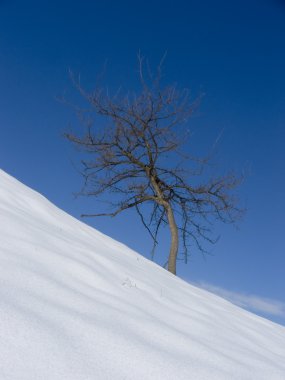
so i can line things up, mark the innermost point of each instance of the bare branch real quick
(136, 158)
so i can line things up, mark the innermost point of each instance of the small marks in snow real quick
(129, 283)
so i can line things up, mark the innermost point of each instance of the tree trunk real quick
(174, 241)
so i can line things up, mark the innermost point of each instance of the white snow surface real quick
(78, 305)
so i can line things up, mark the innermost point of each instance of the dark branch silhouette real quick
(136, 157)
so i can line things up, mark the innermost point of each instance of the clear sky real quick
(233, 51)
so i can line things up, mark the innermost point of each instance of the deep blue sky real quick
(233, 51)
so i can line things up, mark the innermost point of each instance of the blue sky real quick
(231, 51)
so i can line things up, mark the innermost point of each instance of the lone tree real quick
(135, 156)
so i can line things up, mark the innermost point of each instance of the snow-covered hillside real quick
(77, 305)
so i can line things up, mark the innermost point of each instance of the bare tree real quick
(135, 156)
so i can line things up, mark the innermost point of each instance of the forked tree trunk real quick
(174, 241)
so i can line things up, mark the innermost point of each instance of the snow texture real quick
(78, 305)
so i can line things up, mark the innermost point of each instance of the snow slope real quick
(77, 305)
